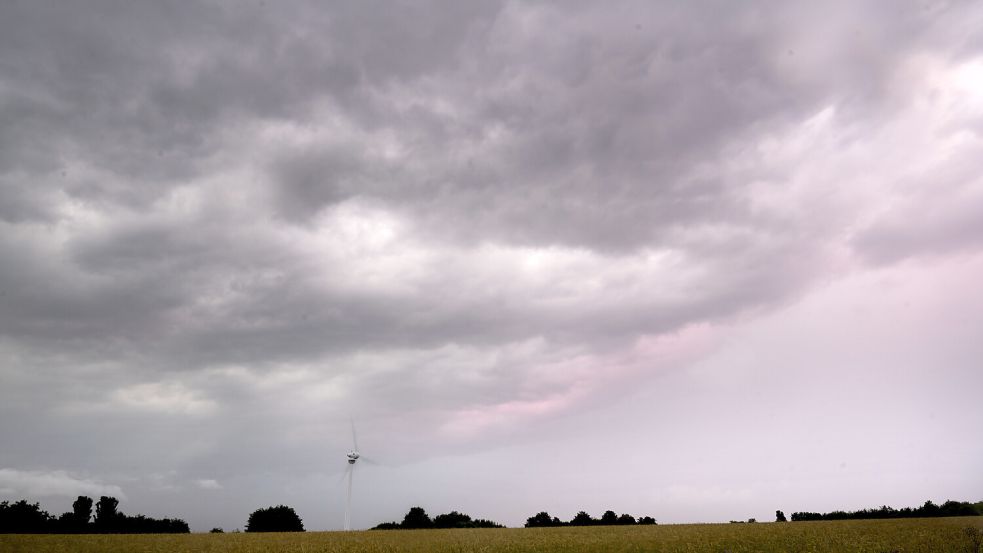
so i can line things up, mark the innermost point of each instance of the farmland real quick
(941, 535)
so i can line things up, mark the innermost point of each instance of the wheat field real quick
(941, 535)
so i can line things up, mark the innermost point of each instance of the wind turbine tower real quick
(352, 458)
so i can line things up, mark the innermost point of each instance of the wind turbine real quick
(350, 472)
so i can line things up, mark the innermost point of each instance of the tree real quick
(82, 510)
(609, 518)
(542, 520)
(66, 524)
(780, 517)
(582, 519)
(646, 520)
(957, 509)
(452, 519)
(274, 519)
(141, 524)
(22, 517)
(106, 514)
(929, 509)
(416, 518)
(485, 523)
(626, 519)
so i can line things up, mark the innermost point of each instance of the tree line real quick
(609, 518)
(928, 510)
(21, 517)
(418, 519)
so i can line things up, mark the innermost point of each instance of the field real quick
(940, 535)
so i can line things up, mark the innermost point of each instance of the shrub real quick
(274, 519)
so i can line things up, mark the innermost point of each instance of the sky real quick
(699, 261)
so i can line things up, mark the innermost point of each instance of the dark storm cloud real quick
(532, 140)
(605, 130)
(536, 126)
(145, 90)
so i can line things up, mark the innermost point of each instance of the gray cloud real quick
(56, 483)
(456, 221)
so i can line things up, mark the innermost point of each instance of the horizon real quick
(697, 262)
(929, 509)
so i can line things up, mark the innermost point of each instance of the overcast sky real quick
(699, 261)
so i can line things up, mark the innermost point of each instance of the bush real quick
(541, 520)
(485, 523)
(274, 519)
(452, 519)
(416, 518)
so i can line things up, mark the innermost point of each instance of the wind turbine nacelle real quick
(352, 457)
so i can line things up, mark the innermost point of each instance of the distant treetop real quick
(417, 518)
(22, 517)
(948, 509)
(582, 518)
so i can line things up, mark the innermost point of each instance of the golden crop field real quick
(941, 535)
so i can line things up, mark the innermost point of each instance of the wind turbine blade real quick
(344, 474)
(354, 437)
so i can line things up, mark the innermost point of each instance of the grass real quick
(939, 535)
